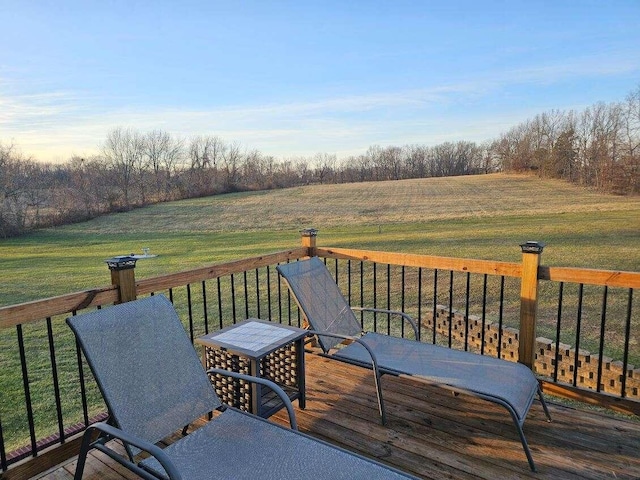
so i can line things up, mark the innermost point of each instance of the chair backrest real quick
(321, 301)
(146, 367)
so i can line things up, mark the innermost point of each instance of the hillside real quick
(368, 203)
(474, 216)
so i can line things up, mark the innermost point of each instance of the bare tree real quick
(324, 167)
(303, 171)
(205, 155)
(13, 207)
(416, 161)
(123, 151)
(631, 128)
(391, 162)
(231, 157)
(630, 175)
(163, 155)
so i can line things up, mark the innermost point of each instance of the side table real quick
(262, 349)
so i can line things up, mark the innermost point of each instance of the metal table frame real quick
(254, 341)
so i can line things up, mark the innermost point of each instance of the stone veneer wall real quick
(545, 354)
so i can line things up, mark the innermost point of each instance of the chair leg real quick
(82, 456)
(544, 404)
(525, 445)
(377, 378)
(523, 440)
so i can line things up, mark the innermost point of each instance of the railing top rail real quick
(610, 278)
(23, 313)
(36, 310)
(13, 315)
(509, 269)
(214, 271)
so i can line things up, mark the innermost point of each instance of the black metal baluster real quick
(484, 313)
(362, 293)
(258, 312)
(435, 304)
(279, 299)
(349, 281)
(450, 307)
(56, 383)
(402, 299)
(388, 298)
(190, 310)
(269, 291)
(205, 307)
(289, 306)
(27, 391)
(233, 299)
(246, 294)
(466, 313)
(375, 296)
(218, 283)
(603, 318)
(627, 336)
(420, 302)
(500, 316)
(83, 386)
(3, 453)
(558, 330)
(576, 357)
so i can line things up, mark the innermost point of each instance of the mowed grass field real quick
(484, 217)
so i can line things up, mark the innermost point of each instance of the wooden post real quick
(529, 302)
(123, 276)
(309, 240)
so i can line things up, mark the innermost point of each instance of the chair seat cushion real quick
(241, 446)
(491, 378)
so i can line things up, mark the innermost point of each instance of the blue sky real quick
(293, 78)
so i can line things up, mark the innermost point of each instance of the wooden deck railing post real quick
(309, 240)
(123, 276)
(529, 302)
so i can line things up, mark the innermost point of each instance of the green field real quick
(484, 217)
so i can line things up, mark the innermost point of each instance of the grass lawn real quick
(483, 217)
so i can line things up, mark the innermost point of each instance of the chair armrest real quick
(374, 365)
(374, 360)
(268, 383)
(115, 433)
(392, 312)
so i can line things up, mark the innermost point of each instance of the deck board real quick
(435, 435)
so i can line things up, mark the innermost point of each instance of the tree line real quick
(598, 147)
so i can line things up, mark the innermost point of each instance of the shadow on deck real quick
(434, 435)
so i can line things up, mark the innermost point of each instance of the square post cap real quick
(122, 262)
(532, 247)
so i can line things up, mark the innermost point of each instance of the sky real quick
(297, 78)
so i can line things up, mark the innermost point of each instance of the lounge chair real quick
(154, 384)
(330, 317)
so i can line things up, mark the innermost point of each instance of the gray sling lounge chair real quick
(509, 384)
(154, 385)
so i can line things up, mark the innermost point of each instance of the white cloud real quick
(54, 125)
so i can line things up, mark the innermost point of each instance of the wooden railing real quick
(486, 306)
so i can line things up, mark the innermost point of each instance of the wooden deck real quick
(434, 435)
